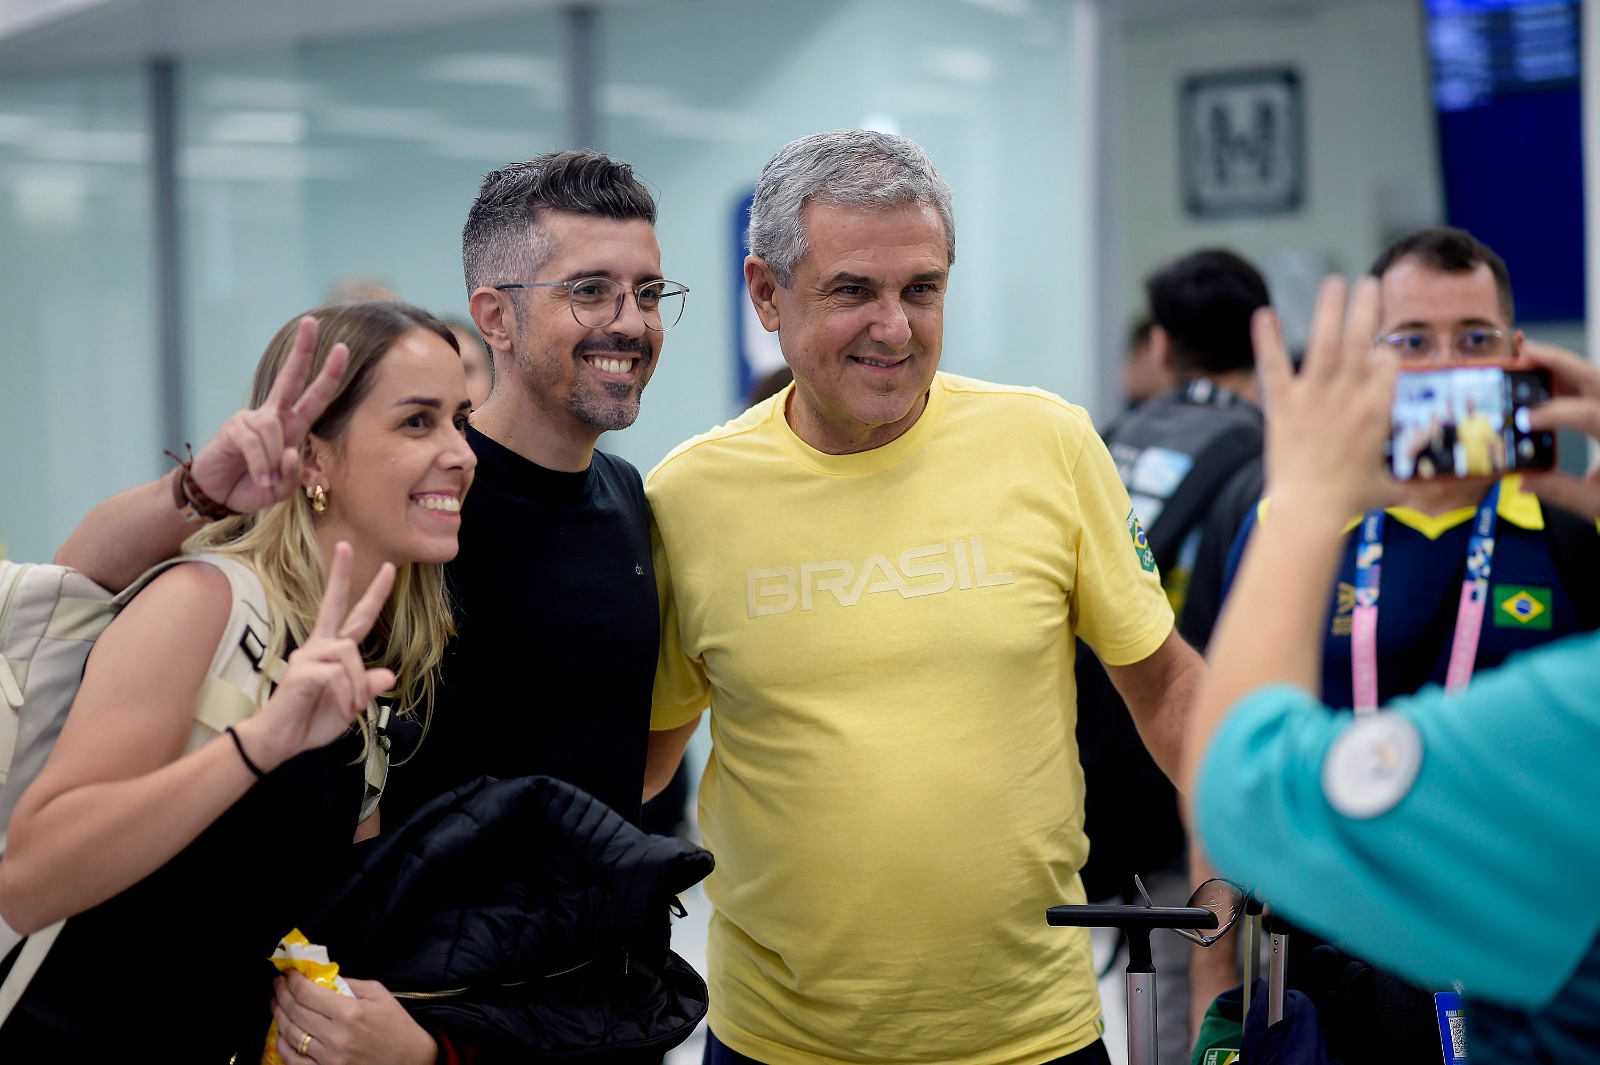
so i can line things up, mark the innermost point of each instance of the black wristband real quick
(238, 743)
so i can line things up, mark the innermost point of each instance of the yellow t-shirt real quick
(885, 641)
(1479, 444)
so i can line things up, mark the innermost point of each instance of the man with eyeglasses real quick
(556, 599)
(1400, 618)
(1465, 844)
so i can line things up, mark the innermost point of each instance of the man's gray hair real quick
(845, 168)
(503, 240)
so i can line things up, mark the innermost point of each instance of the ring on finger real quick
(305, 1043)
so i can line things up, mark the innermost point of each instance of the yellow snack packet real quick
(298, 953)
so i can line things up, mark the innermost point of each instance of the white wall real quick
(1370, 151)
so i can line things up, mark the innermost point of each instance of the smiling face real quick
(584, 381)
(863, 323)
(395, 477)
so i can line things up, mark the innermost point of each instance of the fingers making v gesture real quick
(326, 684)
(252, 460)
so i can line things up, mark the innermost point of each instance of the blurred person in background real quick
(356, 288)
(1173, 452)
(475, 361)
(1145, 373)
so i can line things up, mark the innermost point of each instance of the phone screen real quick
(1468, 421)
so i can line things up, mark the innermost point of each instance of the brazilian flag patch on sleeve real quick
(1141, 545)
(1521, 607)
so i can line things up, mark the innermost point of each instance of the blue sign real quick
(756, 351)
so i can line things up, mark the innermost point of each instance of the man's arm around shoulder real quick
(126, 535)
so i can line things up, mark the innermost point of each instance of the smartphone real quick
(1468, 421)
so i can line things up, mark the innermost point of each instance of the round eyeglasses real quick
(1468, 343)
(596, 302)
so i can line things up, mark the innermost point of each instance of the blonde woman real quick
(182, 870)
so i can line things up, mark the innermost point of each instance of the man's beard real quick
(616, 406)
(606, 405)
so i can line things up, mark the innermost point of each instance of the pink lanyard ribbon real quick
(1469, 615)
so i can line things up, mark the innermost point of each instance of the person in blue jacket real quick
(1452, 837)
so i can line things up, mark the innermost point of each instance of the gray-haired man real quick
(874, 580)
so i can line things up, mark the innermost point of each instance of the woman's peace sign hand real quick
(326, 684)
(252, 460)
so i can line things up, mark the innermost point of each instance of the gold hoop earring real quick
(319, 498)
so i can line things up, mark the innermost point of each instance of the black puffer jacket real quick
(526, 918)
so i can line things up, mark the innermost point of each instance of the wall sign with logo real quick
(1243, 143)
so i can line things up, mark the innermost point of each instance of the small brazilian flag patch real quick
(1141, 546)
(1521, 607)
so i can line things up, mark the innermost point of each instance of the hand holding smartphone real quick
(1468, 421)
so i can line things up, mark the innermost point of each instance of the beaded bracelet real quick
(186, 493)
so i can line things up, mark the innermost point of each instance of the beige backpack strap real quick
(241, 674)
(233, 689)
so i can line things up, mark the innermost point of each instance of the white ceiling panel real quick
(55, 36)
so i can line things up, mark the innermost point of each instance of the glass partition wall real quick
(80, 380)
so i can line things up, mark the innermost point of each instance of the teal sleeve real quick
(1486, 870)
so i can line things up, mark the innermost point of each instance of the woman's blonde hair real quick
(280, 541)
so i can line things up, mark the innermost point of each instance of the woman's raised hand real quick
(1327, 424)
(252, 461)
(326, 684)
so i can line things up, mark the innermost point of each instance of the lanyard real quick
(1469, 615)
